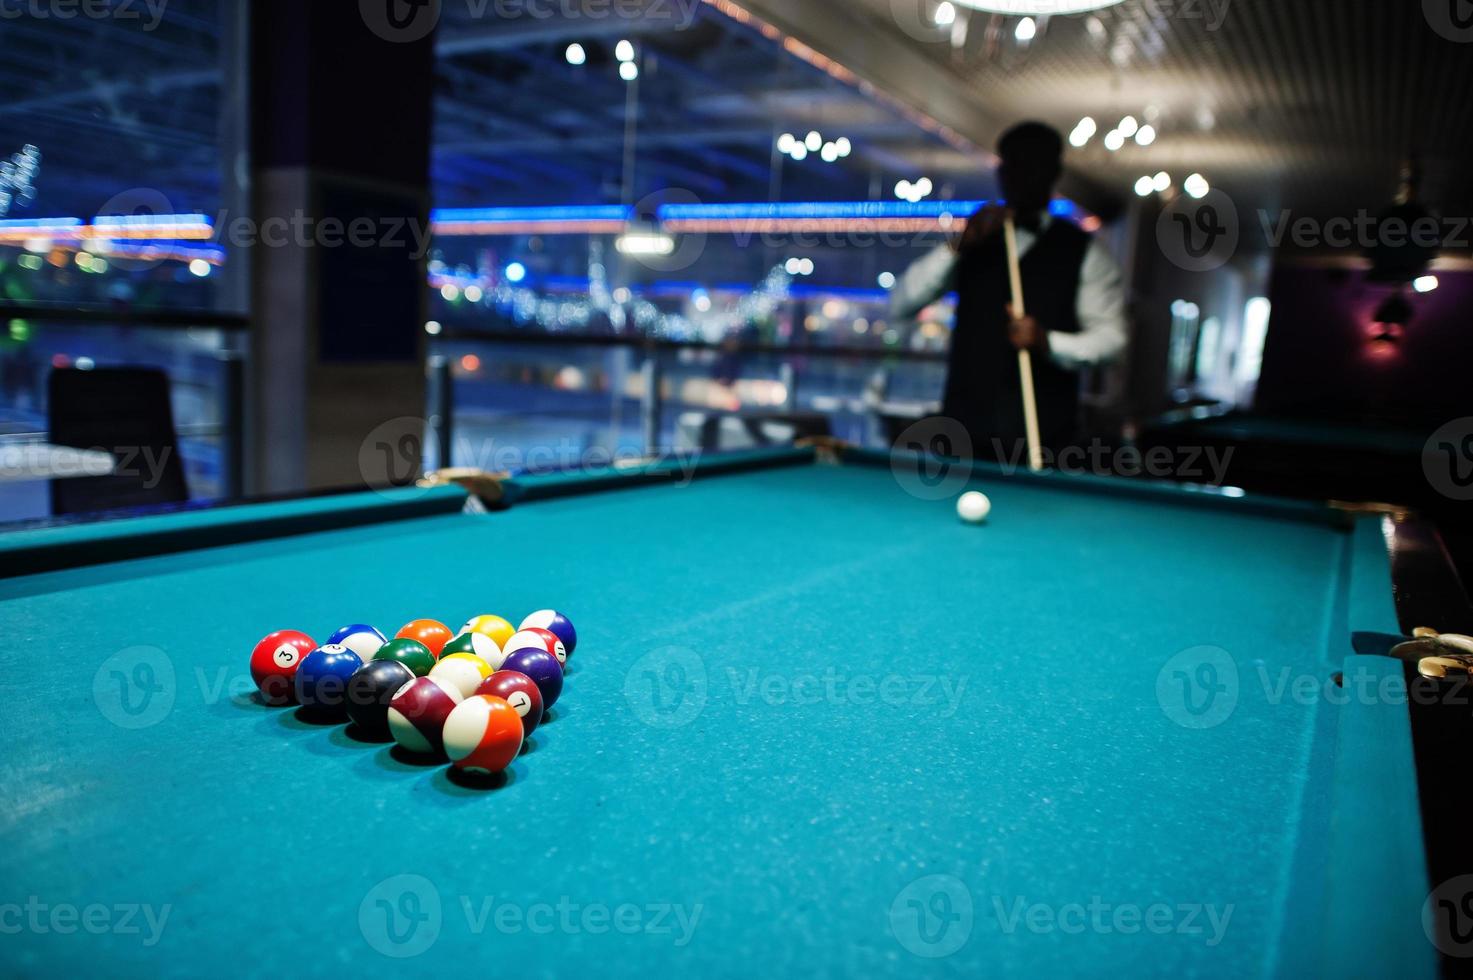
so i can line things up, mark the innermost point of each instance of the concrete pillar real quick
(340, 172)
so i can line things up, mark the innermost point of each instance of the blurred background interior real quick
(674, 224)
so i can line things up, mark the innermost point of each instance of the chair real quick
(125, 411)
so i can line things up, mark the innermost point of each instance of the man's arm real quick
(1101, 312)
(926, 281)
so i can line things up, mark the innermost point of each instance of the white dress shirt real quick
(1100, 306)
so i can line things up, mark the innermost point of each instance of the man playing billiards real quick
(1072, 289)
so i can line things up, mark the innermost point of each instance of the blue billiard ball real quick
(362, 640)
(322, 677)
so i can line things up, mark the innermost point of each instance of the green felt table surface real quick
(813, 726)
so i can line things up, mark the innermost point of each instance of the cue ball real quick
(973, 507)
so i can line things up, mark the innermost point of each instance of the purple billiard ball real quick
(544, 670)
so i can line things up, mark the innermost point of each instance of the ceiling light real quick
(924, 187)
(814, 141)
(903, 190)
(1113, 140)
(1146, 135)
(830, 153)
(800, 153)
(628, 71)
(1145, 186)
(576, 55)
(786, 142)
(843, 145)
(624, 51)
(1027, 30)
(945, 14)
(1196, 186)
(1043, 7)
(887, 280)
(645, 243)
(1162, 181)
(1128, 127)
(1424, 284)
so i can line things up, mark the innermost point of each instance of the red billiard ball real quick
(536, 638)
(274, 664)
(418, 711)
(519, 691)
(431, 632)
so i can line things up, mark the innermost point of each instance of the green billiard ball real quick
(476, 644)
(411, 653)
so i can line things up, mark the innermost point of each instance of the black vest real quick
(983, 388)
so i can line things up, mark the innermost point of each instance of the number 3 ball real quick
(369, 692)
(519, 691)
(537, 639)
(274, 664)
(322, 678)
(544, 670)
(483, 734)
(555, 622)
(417, 714)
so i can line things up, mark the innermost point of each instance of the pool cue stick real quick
(1025, 357)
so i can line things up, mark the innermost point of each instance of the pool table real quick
(814, 726)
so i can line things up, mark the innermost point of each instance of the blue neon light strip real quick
(816, 211)
(151, 220)
(593, 212)
(40, 224)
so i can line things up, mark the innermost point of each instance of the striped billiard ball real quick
(483, 735)
(478, 644)
(557, 623)
(497, 629)
(537, 638)
(362, 640)
(464, 672)
(418, 711)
